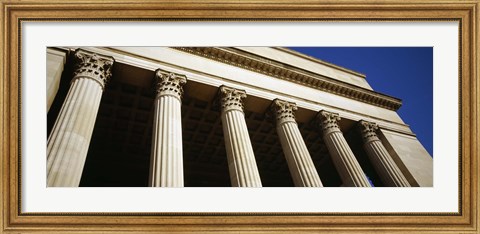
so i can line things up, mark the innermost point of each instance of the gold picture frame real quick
(15, 12)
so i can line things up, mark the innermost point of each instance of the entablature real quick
(235, 57)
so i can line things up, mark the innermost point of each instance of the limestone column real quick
(68, 143)
(342, 156)
(166, 163)
(296, 153)
(55, 62)
(383, 163)
(241, 160)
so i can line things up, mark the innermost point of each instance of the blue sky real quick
(401, 72)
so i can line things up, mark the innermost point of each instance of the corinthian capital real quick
(328, 121)
(169, 83)
(94, 66)
(231, 98)
(368, 130)
(284, 111)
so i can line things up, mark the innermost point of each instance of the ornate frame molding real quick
(14, 12)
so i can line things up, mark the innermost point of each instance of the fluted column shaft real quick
(166, 162)
(298, 158)
(383, 163)
(69, 140)
(241, 160)
(342, 156)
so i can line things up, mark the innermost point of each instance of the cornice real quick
(287, 72)
(319, 61)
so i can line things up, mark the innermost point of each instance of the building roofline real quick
(316, 60)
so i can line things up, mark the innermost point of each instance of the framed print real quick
(157, 110)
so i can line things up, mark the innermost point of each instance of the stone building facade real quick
(221, 117)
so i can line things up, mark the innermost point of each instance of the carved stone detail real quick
(284, 111)
(328, 122)
(283, 71)
(169, 83)
(368, 131)
(231, 98)
(94, 66)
